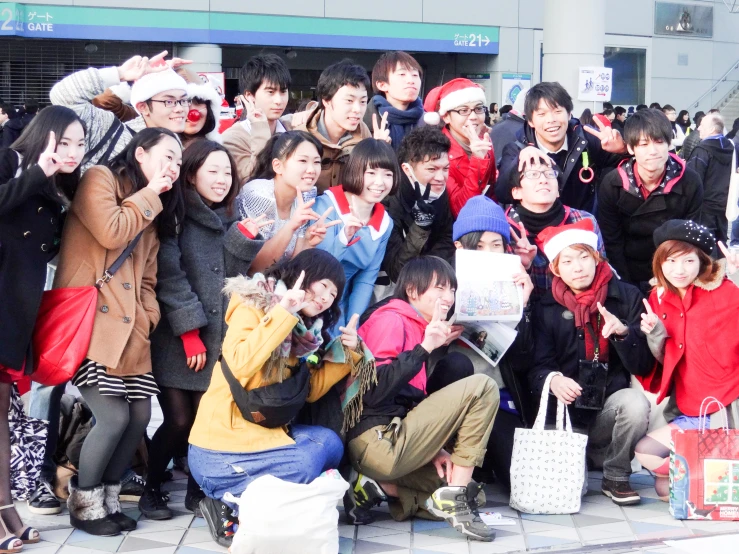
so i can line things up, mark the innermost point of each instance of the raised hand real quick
(302, 213)
(611, 324)
(174, 63)
(49, 161)
(317, 232)
(380, 132)
(133, 68)
(732, 259)
(253, 113)
(455, 331)
(294, 299)
(423, 211)
(349, 337)
(255, 225)
(565, 389)
(161, 182)
(437, 331)
(523, 248)
(197, 362)
(531, 156)
(352, 224)
(610, 139)
(649, 320)
(479, 146)
(522, 279)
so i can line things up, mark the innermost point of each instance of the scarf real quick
(535, 223)
(584, 306)
(401, 122)
(672, 171)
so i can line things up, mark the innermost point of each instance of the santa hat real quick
(152, 84)
(556, 239)
(448, 96)
(603, 119)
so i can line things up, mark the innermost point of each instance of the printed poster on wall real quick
(512, 84)
(595, 84)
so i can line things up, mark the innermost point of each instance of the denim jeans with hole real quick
(316, 449)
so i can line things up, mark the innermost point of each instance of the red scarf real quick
(585, 307)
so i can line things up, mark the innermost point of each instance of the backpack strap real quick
(111, 136)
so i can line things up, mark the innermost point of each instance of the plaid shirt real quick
(539, 271)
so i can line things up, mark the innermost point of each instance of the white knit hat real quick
(152, 84)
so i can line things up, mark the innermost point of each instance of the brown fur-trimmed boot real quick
(87, 510)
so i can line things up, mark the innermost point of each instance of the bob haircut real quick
(35, 138)
(193, 159)
(648, 124)
(280, 146)
(422, 273)
(578, 248)
(554, 95)
(708, 268)
(126, 167)
(317, 264)
(369, 154)
(388, 63)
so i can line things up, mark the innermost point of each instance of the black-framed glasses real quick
(465, 111)
(170, 104)
(536, 173)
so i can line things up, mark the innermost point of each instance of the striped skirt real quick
(135, 387)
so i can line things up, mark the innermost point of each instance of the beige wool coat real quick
(103, 219)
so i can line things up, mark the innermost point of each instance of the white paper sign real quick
(485, 287)
(595, 84)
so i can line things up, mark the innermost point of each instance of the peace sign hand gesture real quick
(611, 324)
(49, 161)
(479, 146)
(523, 248)
(649, 320)
(437, 331)
(302, 214)
(255, 225)
(610, 139)
(381, 132)
(294, 299)
(317, 232)
(252, 113)
(732, 259)
(161, 182)
(349, 337)
(352, 224)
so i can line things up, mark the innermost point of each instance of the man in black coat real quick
(506, 130)
(420, 210)
(651, 187)
(711, 159)
(583, 154)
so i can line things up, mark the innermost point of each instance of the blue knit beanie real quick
(480, 213)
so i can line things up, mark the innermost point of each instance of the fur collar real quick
(253, 291)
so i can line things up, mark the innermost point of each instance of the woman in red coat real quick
(690, 329)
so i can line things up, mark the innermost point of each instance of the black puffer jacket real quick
(711, 160)
(559, 345)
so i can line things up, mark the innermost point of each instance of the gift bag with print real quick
(548, 466)
(704, 470)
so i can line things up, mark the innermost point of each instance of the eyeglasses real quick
(464, 112)
(535, 173)
(170, 104)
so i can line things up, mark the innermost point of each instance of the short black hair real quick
(641, 107)
(369, 154)
(422, 143)
(655, 105)
(668, 108)
(264, 68)
(505, 109)
(607, 106)
(31, 105)
(388, 63)
(607, 112)
(553, 94)
(337, 75)
(422, 273)
(619, 110)
(7, 109)
(698, 117)
(650, 124)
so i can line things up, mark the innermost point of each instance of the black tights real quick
(178, 408)
(10, 516)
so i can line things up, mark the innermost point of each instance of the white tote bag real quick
(732, 204)
(548, 467)
(277, 517)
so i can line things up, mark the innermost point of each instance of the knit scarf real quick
(401, 121)
(584, 306)
(535, 223)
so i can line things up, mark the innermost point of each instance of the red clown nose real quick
(194, 116)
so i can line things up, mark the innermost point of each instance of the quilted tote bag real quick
(548, 466)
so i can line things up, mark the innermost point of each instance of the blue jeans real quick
(316, 449)
(45, 404)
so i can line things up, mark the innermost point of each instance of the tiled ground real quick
(600, 526)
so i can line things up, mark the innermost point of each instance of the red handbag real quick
(61, 337)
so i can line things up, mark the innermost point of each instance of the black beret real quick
(685, 230)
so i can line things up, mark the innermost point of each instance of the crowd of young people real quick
(286, 288)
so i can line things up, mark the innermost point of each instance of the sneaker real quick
(363, 495)
(43, 500)
(458, 506)
(132, 489)
(153, 505)
(620, 492)
(221, 521)
(192, 501)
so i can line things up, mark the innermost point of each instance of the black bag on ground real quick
(274, 405)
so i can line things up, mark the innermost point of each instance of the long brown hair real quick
(707, 271)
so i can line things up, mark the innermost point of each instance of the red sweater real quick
(702, 348)
(468, 175)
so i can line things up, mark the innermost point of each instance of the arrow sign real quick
(487, 40)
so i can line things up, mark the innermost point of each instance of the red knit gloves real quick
(192, 343)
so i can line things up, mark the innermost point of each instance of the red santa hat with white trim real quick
(448, 96)
(556, 239)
